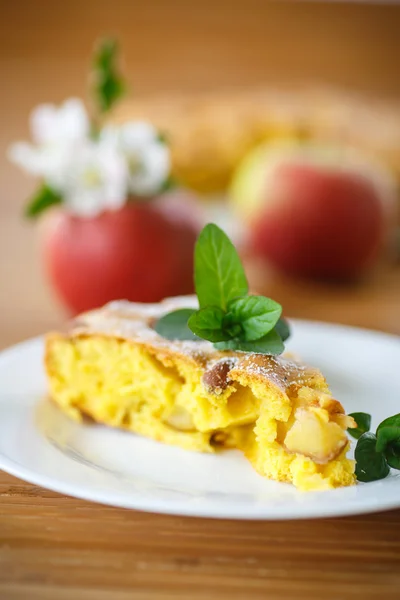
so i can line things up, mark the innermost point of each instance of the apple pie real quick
(113, 367)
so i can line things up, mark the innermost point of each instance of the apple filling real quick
(315, 433)
(179, 418)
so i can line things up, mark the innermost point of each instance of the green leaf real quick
(393, 421)
(392, 451)
(386, 436)
(206, 323)
(44, 198)
(219, 275)
(393, 455)
(370, 464)
(252, 323)
(174, 325)
(104, 56)
(256, 315)
(388, 441)
(282, 327)
(110, 89)
(108, 84)
(363, 421)
(234, 330)
(269, 344)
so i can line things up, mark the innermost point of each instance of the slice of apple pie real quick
(114, 367)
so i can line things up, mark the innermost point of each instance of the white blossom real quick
(148, 158)
(92, 175)
(63, 124)
(41, 161)
(55, 132)
(94, 180)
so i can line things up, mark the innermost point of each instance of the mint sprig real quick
(376, 453)
(228, 317)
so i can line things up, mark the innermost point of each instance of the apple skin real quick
(315, 219)
(138, 253)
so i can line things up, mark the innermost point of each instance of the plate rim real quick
(179, 508)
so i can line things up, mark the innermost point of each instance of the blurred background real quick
(220, 79)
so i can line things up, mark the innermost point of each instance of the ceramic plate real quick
(39, 444)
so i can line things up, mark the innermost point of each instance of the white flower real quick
(92, 175)
(65, 124)
(55, 131)
(41, 161)
(148, 158)
(94, 180)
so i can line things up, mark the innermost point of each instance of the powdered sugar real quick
(134, 321)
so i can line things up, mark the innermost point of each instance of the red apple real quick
(315, 213)
(142, 253)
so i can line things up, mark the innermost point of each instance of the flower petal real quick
(73, 120)
(43, 123)
(24, 155)
(155, 168)
(67, 123)
(137, 134)
(83, 203)
(97, 180)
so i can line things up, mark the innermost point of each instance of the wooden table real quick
(54, 547)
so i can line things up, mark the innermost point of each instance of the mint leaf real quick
(219, 275)
(386, 436)
(363, 421)
(44, 198)
(207, 322)
(282, 327)
(174, 325)
(370, 464)
(256, 315)
(108, 84)
(393, 421)
(392, 454)
(388, 442)
(269, 344)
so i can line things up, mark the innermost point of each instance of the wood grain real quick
(54, 547)
(57, 545)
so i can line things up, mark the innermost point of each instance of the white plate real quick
(39, 444)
